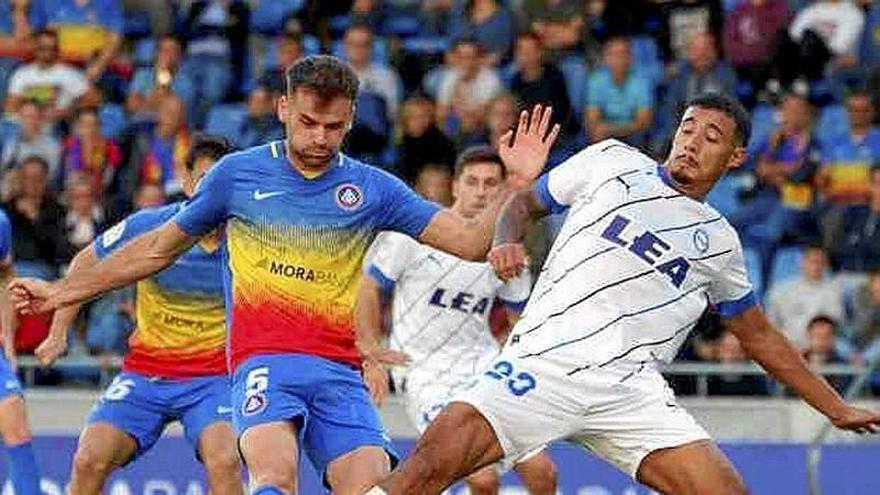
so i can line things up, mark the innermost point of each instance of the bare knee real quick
(539, 475)
(484, 482)
(13, 422)
(222, 462)
(17, 434)
(89, 462)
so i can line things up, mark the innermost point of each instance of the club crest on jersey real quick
(701, 241)
(349, 197)
(254, 404)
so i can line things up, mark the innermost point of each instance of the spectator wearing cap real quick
(164, 78)
(48, 81)
(620, 102)
(855, 245)
(792, 304)
(490, 22)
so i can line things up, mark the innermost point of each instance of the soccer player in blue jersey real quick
(298, 217)
(175, 367)
(22, 468)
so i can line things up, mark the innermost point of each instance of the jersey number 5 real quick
(517, 383)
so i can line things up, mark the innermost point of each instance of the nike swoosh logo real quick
(259, 196)
(224, 410)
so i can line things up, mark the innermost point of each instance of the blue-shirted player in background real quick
(175, 367)
(298, 217)
(13, 418)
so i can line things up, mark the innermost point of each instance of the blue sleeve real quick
(210, 205)
(404, 210)
(542, 189)
(730, 309)
(111, 16)
(384, 282)
(594, 91)
(5, 238)
(131, 227)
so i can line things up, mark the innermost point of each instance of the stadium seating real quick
(114, 120)
(227, 120)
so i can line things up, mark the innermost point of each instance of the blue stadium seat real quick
(114, 121)
(786, 265)
(833, 122)
(144, 52)
(8, 129)
(227, 120)
(753, 268)
(136, 24)
(268, 17)
(724, 197)
(646, 58)
(338, 25)
(403, 24)
(576, 75)
(371, 112)
(426, 45)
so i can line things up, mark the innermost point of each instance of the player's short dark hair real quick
(730, 106)
(477, 154)
(327, 75)
(822, 319)
(205, 145)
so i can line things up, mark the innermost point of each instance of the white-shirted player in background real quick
(440, 309)
(639, 258)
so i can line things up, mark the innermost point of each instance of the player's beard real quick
(315, 158)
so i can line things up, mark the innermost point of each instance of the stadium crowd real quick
(101, 98)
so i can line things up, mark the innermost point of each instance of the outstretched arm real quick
(771, 349)
(144, 256)
(524, 154)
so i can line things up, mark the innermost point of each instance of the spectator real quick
(821, 349)
(37, 222)
(491, 23)
(160, 157)
(620, 102)
(149, 196)
(702, 72)
(751, 38)
(682, 20)
(468, 86)
(780, 207)
(290, 49)
(84, 218)
(87, 152)
(161, 12)
(866, 315)
(18, 20)
(90, 34)
(844, 176)
(729, 351)
(152, 84)
(215, 33)
(262, 124)
(559, 24)
(33, 138)
(827, 30)
(366, 12)
(793, 303)
(434, 181)
(421, 141)
(855, 247)
(538, 82)
(47, 81)
(374, 77)
(503, 115)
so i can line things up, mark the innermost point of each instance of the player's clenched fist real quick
(508, 260)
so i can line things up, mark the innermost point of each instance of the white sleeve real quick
(559, 187)
(845, 40)
(16, 82)
(515, 292)
(447, 85)
(800, 24)
(731, 291)
(390, 255)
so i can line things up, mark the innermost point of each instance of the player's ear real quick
(282, 108)
(737, 158)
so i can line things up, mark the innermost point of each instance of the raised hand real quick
(32, 296)
(375, 366)
(525, 151)
(508, 260)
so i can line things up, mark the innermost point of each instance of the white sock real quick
(376, 491)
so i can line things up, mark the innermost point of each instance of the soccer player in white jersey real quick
(639, 258)
(440, 310)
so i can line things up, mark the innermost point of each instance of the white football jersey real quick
(634, 266)
(440, 309)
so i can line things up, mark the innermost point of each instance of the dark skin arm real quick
(767, 346)
(508, 256)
